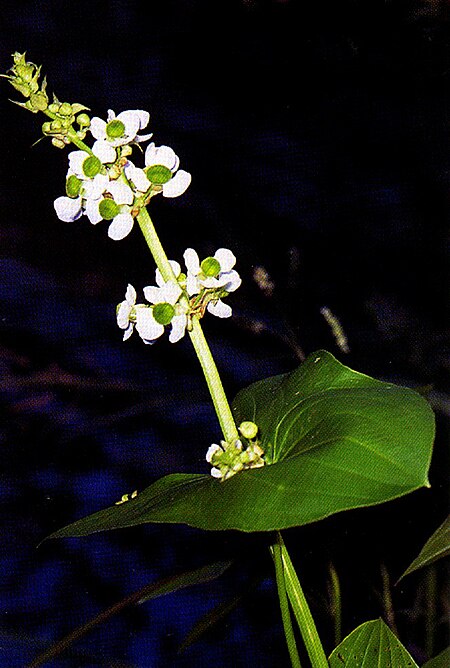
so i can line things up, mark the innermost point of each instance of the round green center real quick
(91, 166)
(108, 209)
(158, 174)
(73, 186)
(115, 129)
(163, 313)
(210, 266)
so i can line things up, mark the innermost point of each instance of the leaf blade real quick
(339, 440)
(371, 644)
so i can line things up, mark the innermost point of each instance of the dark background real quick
(317, 137)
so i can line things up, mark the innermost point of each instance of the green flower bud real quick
(163, 313)
(83, 120)
(73, 186)
(65, 109)
(158, 174)
(248, 429)
(39, 101)
(25, 72)
(56, 125)
(108, 209)
(53, 107)
(210, 266)
(58, 143)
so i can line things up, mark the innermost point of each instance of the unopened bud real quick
(83, 120)
(248, 429)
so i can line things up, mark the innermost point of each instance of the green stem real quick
(284, 604)
(215, 386)
(302, 612)
(336, 604)
(201, 347)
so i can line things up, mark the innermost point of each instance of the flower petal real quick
(132, 124)
(178, 324)
(98, 128)
(137, 176)
(121, 226)
(123, 315)
(177, 185)
(128, 332)
(76, 159)
(220, 309)
(233, 281)
(94, 189)
(212, 450)
(170, 292)
(92, 212)
(146, 325)
(121, 192)
(191, 261)
(104, 151)
(130, 295)
(162, 155)
(226, 259)
(68, 209)
(153, 294)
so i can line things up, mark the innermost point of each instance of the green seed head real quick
(158, 174)
(163, 313)
(108, 209)
(92, 166)
(115, 129)
(210, 267)
(73, 186)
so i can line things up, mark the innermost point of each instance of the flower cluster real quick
(104, 184)
(227, 459)
(176, 302)
(24, 77)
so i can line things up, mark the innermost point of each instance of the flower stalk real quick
(197, 337)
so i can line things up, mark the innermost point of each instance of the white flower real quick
(111, 200)
(166, 307)
(86, 166)
(119, 130)
(214, 273)
(84, 180)
(124, 311)
(161, 165)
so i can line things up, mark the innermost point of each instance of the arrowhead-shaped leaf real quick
(371, 644)
(334, 439)
(436, 547)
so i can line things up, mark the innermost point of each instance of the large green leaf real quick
(335, 439)
(436, 547)
(371, 644)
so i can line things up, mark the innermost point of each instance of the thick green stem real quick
(302, 612)
(215, 386)
(284, 604)
(201, 347)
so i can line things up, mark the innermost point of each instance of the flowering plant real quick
(294, 448)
